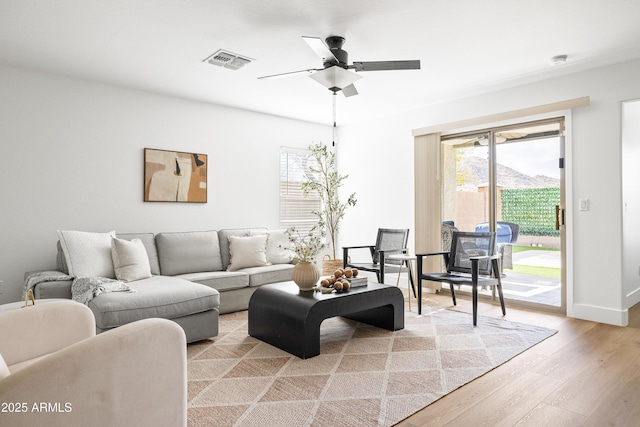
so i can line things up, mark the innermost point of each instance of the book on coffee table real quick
(357, 281)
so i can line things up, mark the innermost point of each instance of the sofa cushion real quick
(57, 289)
(277, 246)
(87, 254)
(188, 252)
(250, 251)
(149, 242)
(220, 280)
(130, 260)
(259, 276)
(224, 243)
(158, 296)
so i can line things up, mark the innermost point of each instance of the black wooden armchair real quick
(389, 241)
(471, 260)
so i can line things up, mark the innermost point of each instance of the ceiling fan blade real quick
(321, 49)
(310, 70)
(386, 65)
(349, 90)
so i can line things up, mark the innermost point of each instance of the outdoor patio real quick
(533, 288)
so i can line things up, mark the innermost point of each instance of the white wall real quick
(380, 154)
(72, 158)
(631, 201)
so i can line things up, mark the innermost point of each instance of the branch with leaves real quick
(305, 247)
(326, 181)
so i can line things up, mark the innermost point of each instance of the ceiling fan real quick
(335, 75)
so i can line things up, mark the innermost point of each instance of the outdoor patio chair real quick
(471, 261)
(389, 241)
(507, 235)
(515, 230)
(506, 249)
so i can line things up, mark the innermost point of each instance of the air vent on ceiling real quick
(226, 59)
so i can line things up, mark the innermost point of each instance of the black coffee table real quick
(283, 316)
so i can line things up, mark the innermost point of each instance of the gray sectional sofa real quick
(194, 277)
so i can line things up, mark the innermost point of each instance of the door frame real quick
(492, 179)
(427, 142)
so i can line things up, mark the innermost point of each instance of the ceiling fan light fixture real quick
(335, 78)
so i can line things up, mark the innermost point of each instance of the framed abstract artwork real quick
(174, 176)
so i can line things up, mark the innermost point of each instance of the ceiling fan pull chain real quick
(333, 144)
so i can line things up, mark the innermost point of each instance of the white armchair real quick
(57, 372)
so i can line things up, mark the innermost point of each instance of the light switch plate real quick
(584, 204)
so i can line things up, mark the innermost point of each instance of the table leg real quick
(410, 273)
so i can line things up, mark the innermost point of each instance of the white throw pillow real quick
(130, 260)
(278, 245)
(247, 252)
(87, 254)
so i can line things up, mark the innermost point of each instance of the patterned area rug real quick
(364, 376)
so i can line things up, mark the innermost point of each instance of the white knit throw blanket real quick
(83, 289)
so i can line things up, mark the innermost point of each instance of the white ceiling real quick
(465, 46)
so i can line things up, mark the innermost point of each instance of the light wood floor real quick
(587, 374)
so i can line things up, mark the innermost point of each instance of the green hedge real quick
(534, 209)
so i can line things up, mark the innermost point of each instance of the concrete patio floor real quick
(542, 290)
(531, 288)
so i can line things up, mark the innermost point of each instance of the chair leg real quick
(475, 303)
(419, 277)
(504, 311)
(496, 266)
(474, 289)
(453, 293)
(419, 297)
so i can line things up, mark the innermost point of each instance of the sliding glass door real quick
(510, 180)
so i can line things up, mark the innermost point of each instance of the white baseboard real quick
(601, 314)
(633, 297)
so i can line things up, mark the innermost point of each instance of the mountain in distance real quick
(475, 172)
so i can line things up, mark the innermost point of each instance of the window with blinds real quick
(296, 208)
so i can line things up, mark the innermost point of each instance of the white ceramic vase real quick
(305, 275)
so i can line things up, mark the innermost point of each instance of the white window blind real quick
(295, 208)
